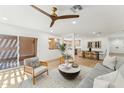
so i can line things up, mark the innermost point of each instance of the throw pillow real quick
(35, 64)
(110, 62)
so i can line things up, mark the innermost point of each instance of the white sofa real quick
(114, 79)
(96, 74)
(98, 70)
(111, 80)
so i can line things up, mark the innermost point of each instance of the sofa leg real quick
(33, 81)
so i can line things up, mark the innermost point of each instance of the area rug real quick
(55, 80)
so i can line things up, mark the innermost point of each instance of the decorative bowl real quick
(74, 65)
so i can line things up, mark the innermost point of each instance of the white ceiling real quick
(104, 19)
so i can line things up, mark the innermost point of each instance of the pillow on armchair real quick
(32, 62)
(35, 64)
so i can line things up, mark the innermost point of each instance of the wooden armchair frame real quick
(61, 59)
(30, 71)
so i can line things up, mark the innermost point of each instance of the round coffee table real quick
(69, 73)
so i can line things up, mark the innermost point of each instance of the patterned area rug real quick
(55, 80)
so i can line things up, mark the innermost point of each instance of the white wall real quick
(104, 43)
(117, 45)
(116, 41)
(43, 51)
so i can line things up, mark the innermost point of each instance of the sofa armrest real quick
(99, 83)
(44, 63)
(104, 81)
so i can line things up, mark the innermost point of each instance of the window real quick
(94, 44)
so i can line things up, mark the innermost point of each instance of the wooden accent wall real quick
(27, 47)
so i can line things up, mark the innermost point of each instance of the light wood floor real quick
(79, 60)
(12, 78)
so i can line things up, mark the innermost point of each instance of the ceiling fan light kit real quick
(76, 8)
(53, 15)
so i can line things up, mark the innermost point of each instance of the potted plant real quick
(62, 48)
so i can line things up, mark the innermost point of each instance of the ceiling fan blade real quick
(53, 21)
(37, 8)
(67, 16)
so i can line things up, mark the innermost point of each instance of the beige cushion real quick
(39, 70)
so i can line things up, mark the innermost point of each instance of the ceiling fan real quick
(53, 15)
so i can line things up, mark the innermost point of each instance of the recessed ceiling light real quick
(4, 18)
(74, 22)
(94, 33)
(51, 30)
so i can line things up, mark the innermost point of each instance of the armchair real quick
(34, 67)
